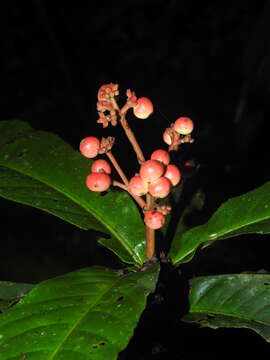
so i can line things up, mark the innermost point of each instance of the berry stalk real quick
(129, 133)
(117, 167)
(149, 233)
(138, 199)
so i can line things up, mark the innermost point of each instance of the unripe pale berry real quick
(154, 219)
(101, 165)
(183, 125)
(106, 90)
(173, 174)
(160, 188)
(98, 181)
(144, 108)
(151, 170)
(138, 186)
(162, 156)
(89, 146)
(166, 138)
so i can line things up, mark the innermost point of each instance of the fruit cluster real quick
(179, 133)
(156, 176)
(99, 179)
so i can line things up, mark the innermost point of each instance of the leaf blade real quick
(47, 163)
(238, 300)
(88, 312)
(248, 213)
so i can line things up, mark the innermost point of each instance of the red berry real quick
(143, 109)
(98, 181)
(138, 186)
(101, 165)
(162, 156)
(151, 170)
(160, 188)
(183, 125)
(89, 146)
(154, 219)
(167, 138)
(173, 174)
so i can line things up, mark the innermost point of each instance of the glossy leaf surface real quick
(240, 301)
(248, 213)
(86, 314)
(39, 169)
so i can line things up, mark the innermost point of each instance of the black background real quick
(207, 60)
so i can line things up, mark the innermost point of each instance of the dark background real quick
(208, 60)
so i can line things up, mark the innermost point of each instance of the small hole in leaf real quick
(266, 283)
(102, 343)
(94, 346)
(120, 298)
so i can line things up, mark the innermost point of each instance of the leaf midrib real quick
(80, 319)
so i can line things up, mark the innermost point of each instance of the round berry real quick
(154, 219)
(138, 186)
(143, 109)
(183, 125)
(173, 174)
(162, 156)
(151, 170)
(100, 166)
(89, 146)
(166, 138)
(160, 188)
(98, 181)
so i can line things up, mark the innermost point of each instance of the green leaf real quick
(39, 169)
(239, 301)
(86, 314)
(11, 292)
(248, 213)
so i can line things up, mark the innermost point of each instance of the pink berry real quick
(143, 109)
(166, 138)
(160, 188)
(101, 165)
(138, 186)
(154, 219)
(151, 170)
(162, 156)
(183, 125)
(89, 146)
(98, 181)
(173, 174)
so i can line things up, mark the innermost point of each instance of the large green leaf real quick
(38, 168)
(248, 213)
(240, 301)
(86, 314)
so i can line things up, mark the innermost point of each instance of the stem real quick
(117, 167)
(132, 139)
(149, 233)
(138, 199)
(128, 131)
